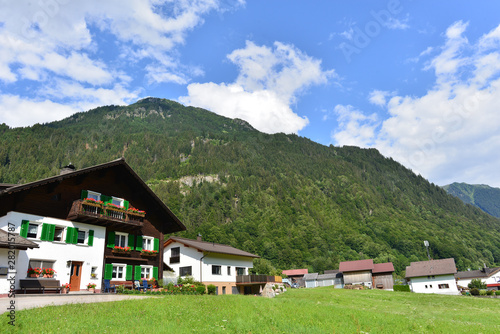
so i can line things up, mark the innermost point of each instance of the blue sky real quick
(418, 80)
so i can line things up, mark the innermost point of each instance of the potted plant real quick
(93, 275)
(92, 201)
(66, 287)
(48, 272)
(136, 212)
(115, 207)
(34, 272)
(150, 253)
(122, 250)
(91, 287)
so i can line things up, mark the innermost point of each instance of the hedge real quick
(404, 288)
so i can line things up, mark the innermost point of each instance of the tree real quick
(477, 283)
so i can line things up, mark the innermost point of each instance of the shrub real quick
(477, 283)
(200, 290)
(497, 293)
(404, 288)
(482, 292)
(211, 289)
(489, 292)
(474, 292)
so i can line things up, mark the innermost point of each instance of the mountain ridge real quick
(481, 195)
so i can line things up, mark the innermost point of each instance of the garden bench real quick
(36, 284)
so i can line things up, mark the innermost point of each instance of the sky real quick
(417, 80)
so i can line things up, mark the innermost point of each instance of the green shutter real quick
(111, 240)
(106, 199)
(45, 232)
(91, 238)
(137, 273)
(69, 235)
(128, 273)
(108, 271)
(85, 194)
(125, 204)
(52, 232)
(131, 241)
(138, 243)
(156, 244)
(24, 228)
(74, 237)
(155, 272)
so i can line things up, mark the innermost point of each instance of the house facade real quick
(434, 276)
(490, 276)
(365, 272)
(208, 262)
(100, 222)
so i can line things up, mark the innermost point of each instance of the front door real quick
(75, 275)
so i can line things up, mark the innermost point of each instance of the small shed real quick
(357, 272)
(310, 280)
(338, 281)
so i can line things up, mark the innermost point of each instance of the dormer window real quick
(93, 195)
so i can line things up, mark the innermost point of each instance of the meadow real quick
(319, 310)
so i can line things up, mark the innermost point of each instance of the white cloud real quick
(378, 97)
(451, 133)
(268, 83)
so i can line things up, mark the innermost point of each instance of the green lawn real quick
(319, 310)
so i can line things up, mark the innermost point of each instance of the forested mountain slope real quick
(292, 201)
(484, 197)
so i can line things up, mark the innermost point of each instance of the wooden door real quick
(75, 275)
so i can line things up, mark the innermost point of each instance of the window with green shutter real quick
(129, 272)
(138, 243)
(91, 238)
(155, 272)
(137, 273)
(84, 194)
(108, 271)
(74, 237)
(69, 235)
(130, 241)
(111, 240)
(156, 244)
(125, 204)
(45, 232)
(24, 228)
(51, 233)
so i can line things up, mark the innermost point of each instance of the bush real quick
(477, 283)
(474, 292)
(489, 292)
(211, 289)
(482, 292)
(404, 288)
(497, 293)
(200, 290)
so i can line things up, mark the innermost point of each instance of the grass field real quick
(319, 310)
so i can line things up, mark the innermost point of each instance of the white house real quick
(58, 248)
(434, 276)
(490, 276)
(208, 262)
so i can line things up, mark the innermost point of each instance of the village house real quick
(490, 276)
(296, 276)
(211, 263)
(365, 272)
(434, 276)
(89, 225)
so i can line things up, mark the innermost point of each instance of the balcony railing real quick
(101, 214)
(253, 279)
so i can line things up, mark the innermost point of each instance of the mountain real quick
(484, 197)
(286, 198)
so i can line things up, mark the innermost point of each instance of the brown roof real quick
(18, 242)
(383, 268)
(432, 267)
(295, 272)
(356, 265)
(209, 247)
(482, 273)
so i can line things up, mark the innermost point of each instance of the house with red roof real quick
(365, 272)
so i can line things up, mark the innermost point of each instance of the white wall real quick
(191, 257)
(418, 284)
(4, 262)
(60, 252)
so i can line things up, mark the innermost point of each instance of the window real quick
(240, 271)
(59, 233)
(118, 271)
(121, 239)
(42, 264)
(175, 255)
(32, 230)
(93, 195)
(223, 290)
(117, 201)
(443, 286)
(146, 272)
(426, 286)
(216, 270)
(228, 270)
(82, 236)
(147, 243)
(185, 271)
(430, 286)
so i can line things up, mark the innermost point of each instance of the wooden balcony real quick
(256, 279)
(98, 214)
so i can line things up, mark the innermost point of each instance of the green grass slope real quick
(286, 198)
(484, 197)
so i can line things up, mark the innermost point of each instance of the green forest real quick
(484, 197)
(294, 202)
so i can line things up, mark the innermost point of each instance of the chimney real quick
(198, 238)
(67, 169)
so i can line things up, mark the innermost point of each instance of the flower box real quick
(149, 253)
(121, 250)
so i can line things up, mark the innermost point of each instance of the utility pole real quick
(426, 244)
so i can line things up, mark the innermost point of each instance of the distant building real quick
(490, 276)
(434, 276)
(296, 275)
(365, 272)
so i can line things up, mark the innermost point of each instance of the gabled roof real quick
(295, 272)
(383, 268)
(329, 276)
(209, 247)
(18, 242)
(483, 273)
(359, 265)
(431, 268)
(107, 178)
(312, 276)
